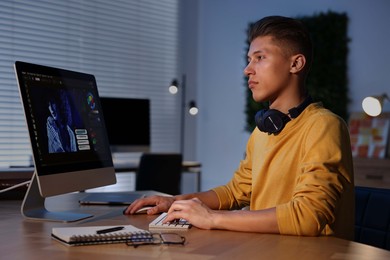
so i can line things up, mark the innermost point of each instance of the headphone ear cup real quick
(271, 121)
(259, 119)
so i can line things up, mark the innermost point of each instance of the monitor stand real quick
(33, 207)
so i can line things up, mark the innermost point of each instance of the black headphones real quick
(272, 121)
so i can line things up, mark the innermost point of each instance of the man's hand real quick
(159, 204)
(192, 210)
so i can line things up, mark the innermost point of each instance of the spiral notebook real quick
(77, 236)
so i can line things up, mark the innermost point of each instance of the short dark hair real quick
(287, 32)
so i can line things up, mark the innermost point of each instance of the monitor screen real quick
(127, 123)
(67, 130)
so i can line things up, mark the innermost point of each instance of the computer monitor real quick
(127, 123)
(68, 136)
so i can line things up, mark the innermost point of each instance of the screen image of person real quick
(60, 135)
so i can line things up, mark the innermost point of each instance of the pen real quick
(108, 230)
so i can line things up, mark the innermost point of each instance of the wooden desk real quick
(25, 239)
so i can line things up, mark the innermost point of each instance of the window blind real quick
(131, 46)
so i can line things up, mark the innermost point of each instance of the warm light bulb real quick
(193, 111)
(372, 106)
(173, 89)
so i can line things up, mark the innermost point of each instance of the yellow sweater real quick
(305, 171)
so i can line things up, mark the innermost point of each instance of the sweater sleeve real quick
(326, 172)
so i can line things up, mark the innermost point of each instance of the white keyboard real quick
(180, 224)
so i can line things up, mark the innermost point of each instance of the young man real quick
(297, 177)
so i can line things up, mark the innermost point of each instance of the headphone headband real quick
(296, 111)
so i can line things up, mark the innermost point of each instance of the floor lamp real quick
(174, 88)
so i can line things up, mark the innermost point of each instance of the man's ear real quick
(298, 62)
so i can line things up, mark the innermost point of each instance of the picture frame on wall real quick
(369, 135)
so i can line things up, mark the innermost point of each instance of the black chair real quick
(372, 216)
(160, 172)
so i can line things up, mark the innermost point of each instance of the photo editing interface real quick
(66, 122)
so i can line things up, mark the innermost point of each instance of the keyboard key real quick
(178, 224)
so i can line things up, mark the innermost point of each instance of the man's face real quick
(268, 69)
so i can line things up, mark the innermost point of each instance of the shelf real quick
(372, 172)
